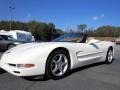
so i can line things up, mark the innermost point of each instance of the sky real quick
(64, 13)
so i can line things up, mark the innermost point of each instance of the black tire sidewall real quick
(48, 70)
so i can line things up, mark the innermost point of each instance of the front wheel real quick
(109, 57)
(58, 64)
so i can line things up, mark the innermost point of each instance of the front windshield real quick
(69, 38)
(5, 37)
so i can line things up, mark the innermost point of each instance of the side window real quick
(21, 37)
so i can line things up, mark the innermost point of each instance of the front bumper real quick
(10, 57)
(21, 71)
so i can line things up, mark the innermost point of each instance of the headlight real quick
(25, 65)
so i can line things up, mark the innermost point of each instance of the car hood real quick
(34, 47)
(28, 51)
(27, 47)
(24, 52)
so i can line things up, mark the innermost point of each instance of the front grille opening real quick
(12, 64)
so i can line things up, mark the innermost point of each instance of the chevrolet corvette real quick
(55, 59)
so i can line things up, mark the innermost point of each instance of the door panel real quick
(3, 44)
(89, 53)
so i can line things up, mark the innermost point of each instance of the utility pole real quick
(11, 8)
(52, 33)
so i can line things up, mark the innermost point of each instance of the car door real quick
(3, 44)
(89, 53)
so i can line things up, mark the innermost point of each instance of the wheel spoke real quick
(110, 56)
(60, 58)
(64, 64)
(55, 69)
(61, 69)
(54, 61)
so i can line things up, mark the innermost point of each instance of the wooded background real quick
(48, 31)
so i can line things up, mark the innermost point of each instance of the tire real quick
(58, 64)
(10, 46)
(109, 56)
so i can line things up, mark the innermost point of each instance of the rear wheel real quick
(10, 46)
(58, 64)
(109, 57)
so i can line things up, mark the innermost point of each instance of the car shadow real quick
(71, 72)
(86, 67)
(68, 74)
(2, 71)
(36, 78)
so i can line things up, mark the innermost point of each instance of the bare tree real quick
(81, 28)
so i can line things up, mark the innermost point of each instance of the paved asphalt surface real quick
(94, 77)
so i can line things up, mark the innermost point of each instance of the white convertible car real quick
(55, 59)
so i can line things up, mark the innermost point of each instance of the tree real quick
(40, 30)
(47, 31)
(69, 30)
(81, 28)
(4, 25)
(108, 31)
(51, 30)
